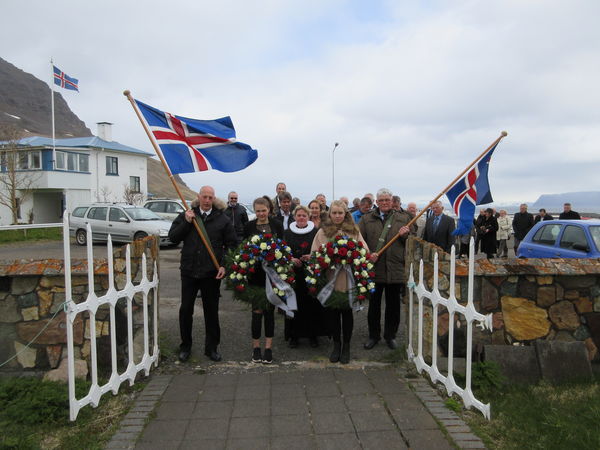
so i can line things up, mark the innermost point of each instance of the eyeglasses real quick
(232, 198)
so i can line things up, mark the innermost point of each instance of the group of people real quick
(304, 229)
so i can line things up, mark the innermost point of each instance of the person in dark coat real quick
(522, 223)
(439, 228)
(309, 320)
(568, 213)
(477, 223)
(285, 215)
(261, 225)
(543, 215)
(198, 272)
(237, 214)
(487, 230)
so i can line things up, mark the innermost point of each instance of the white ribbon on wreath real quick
(328, 289)
(273, 279)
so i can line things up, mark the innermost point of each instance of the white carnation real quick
(278, 254)
(369, 266)
(239, 276)
(263, 245)
(283, 276)
(362, 290)
(255, 239)
(243, 265)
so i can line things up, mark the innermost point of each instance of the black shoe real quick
(345, 355)
(391, 343)
(256, 355)
(213, 355)
(370, 343)
(184, 355)
(293, 343)
(335, 353)
(314, 342)
(268, 356)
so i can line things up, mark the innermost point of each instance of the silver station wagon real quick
(125, 223)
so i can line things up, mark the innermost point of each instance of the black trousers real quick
(209, 290)
(341, 323)
(393, 292)
(269, 318)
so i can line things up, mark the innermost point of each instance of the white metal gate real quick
(453, 307)
(91, 305)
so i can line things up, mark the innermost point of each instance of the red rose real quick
(360, 244)
(351, 245)
(329, 245)
(246, 246)
(240, 288)
(291, 279)
(243, 271)
(234, 267)
(268, 236)
(270, 257)
(372, 274)
(245, 256)
(355, 254)
(324, 265)
(255, 251)
(273, 245)
(342, 251)
(251, 270)
(304, 245)
(361, 298)
(312, 290)
(330, 251)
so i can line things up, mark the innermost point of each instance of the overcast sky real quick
(412, 91)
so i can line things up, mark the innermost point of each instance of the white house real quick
(85, 169)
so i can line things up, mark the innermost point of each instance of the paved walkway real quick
(305, 406)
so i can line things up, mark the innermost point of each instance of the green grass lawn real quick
(541, 416)
(35, 414)
(34, 234)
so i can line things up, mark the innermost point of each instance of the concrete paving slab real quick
(212, 410)
(327, 405)
(306, 442)
(249, 427)
(291, 425)
(328, 423)
(431, 439)
(287, 406)
(372, 421)
(201, 429)
(379, 440)
(251, 408)
(364, 402)
(345, 441)
(175, 410)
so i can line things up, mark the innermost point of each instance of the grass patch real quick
(394, 356)
(34, 234)
(541, 416)
(35, 414)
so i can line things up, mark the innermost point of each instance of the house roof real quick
(80, 142)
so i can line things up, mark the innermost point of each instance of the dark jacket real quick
(539, 218)
(239, 218)
(522, 223)
(279, 217)
(389, 268)
(487, 232)
(442, 236)
(195, 260)
(571, 215)
(250, 228)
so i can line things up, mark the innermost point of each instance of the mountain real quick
(580, 201)
(25, 102)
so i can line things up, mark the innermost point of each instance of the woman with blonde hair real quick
(341, 321)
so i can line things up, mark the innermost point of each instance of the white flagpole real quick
(52, 102)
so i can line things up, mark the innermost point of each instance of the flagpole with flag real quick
(66, 82)
(452, 183)
(52, 102)
(186, 145)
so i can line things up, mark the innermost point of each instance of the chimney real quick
(105, 131)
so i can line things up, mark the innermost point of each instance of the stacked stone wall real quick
(530, 299)
(32, 296)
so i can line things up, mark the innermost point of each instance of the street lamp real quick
(333, 171)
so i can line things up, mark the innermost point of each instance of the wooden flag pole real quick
(127, 94)
(391, 241)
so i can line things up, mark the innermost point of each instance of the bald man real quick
(198, 273)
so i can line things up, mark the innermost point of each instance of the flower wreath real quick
(341, 253)
(275, 258)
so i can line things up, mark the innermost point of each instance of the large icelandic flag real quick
(65, 81)
(191, 145)
(471, 190)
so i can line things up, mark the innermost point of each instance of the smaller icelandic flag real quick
(191, 145)
(471, 190)
(65, 81)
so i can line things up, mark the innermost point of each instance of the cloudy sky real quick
(412, 91)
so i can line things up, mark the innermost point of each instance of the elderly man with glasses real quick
(237, 215)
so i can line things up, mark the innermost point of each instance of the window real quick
(84, 163)
(134, 184)
(112, 165)
(173, 207)
(79, 212)
(156, 206)
(546, 235)
(572, 236)
(116, 215)
(72, 162)
(595, 232)
(97, 213)
(60, 160)
(29, 160)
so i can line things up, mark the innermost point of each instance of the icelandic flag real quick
(471, 190)
(65, 81)
(191, 145)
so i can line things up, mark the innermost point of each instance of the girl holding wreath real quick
(261, 225)
(341, 321)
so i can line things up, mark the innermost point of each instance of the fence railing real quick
(30, 226)
(91, 305)
(453, 308)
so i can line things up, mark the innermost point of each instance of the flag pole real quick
(52, 103)
(496, 142)
(127, 94)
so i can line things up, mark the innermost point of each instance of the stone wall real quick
(551, 299)
(33, 291)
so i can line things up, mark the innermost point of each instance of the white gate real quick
(91, 305)
(453, 307)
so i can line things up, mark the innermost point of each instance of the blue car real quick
(562, 239)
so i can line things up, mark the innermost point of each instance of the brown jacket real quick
(320, 239)
(390, 265)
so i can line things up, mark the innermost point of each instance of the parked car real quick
(124, 223)
(167, 208)
(249, 211)
(562, 239)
